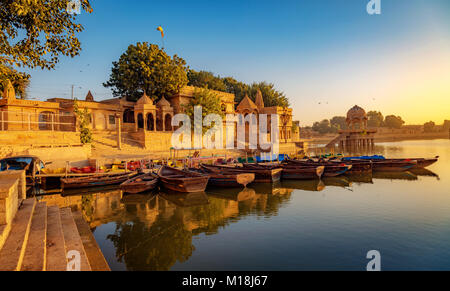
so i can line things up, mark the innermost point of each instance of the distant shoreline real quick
(325, 139)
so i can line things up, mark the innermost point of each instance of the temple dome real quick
(163, 103)
(356, 113)
(145, 100)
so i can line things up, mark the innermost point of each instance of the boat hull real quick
(388, 166)
(261, 175)
(95, 181)
(303, 173)
(182, 181)
(134, 186)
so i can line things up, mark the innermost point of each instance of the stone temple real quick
(145, 121)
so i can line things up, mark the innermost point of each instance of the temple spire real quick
(259, 101)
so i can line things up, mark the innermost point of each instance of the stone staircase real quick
(42, 238)
(109, 141)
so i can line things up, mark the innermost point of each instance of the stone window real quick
(112, 119)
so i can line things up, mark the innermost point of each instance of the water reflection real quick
(162, 231)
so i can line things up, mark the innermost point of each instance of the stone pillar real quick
(119, 131)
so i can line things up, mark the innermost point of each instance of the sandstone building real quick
(146, 121)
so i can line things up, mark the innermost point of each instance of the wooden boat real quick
(140, 184)
(393, 165)
(261, 175)
(331, 169)
(263, 166)
(420, 162)
(358, 166)
(96, 180)
(306, 173)
(226, 180)
(182, 181)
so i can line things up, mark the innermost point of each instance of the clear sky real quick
(325, 55)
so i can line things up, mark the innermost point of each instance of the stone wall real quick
(26, 138)
(154, 141)
(12, 192)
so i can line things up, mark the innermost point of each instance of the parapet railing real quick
(44, 121)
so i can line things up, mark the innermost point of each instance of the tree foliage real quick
(338, 123)
(429, 127)
(208, 100)
(204, 79)
(84, 119)
(20, 81)
(330, 126)
(34, 33)
(147, 67)
(376, 119)
(271, 96)
(392, 121)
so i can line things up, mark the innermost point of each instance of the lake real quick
(313, 225)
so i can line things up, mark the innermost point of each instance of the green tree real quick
(20, 81)
(204, 79)
(429, 127)
(376, 119)
(239, 89)
(322, 127)
(271, 96)
(338, 123)
(210, 103)
(147, 67)
(392, 121)
(84, 119)
(34, 33)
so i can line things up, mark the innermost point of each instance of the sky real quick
(325, 55)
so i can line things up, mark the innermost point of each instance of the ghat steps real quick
(41, 238)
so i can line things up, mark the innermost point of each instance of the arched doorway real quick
(128, 116)
(45, 120)
(159, 123)
(168, 122)
(150, 122)
(140, 121)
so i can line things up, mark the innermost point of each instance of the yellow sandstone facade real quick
(146, 121)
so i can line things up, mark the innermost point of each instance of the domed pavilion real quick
(357, 135)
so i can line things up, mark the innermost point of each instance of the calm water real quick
(329, 225)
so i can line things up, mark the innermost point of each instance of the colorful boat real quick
(140, 184)
(95, 180)
(182, 181)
